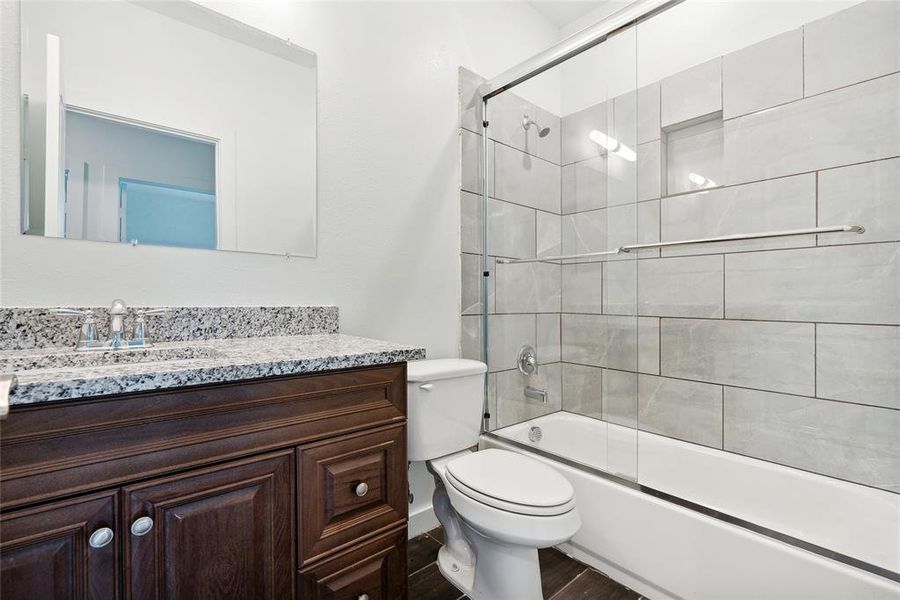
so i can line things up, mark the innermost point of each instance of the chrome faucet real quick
(117, 312)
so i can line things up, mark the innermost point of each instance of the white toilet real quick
(496, 507)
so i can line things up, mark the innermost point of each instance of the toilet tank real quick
(445, 404)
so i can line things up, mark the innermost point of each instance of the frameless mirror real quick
(166, 123)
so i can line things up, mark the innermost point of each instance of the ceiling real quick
(563, 12)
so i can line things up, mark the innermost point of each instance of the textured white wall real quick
(388, 176)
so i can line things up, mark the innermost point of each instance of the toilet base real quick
(500, 572)
(478, 566)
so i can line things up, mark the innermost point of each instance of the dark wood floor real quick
(562, 578)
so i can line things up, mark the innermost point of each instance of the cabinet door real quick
(375, 570)
(215, 533)
(65, 550)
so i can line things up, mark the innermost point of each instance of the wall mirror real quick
(166, 123)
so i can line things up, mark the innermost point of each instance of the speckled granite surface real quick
(59, 374)
(24, 328)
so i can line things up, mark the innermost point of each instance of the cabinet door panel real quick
(352, 487)
(219, 533)
(376, 570)
(44, 552)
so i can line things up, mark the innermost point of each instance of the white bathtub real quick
(664, 550)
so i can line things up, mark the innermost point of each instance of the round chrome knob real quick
(101, 537)
(361, 490)
(142, 526)
(363, 597)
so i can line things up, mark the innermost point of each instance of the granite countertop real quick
(49, 374)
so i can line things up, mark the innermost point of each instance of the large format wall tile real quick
(470, 337)
(853, 45)
(548, 338)
(763, 75)
(549, 234)
(620, 287)
(511, 230)
(584, 185)
(686, 410)
(845, 126)
(867, 195)
(851, 284)
(778, 204)
(853, 442)
(506, 113)
(859, 363)
(470, 161)
(469, 101)
(599, 340)
(648, 119)
(528, 287)
(582, 288)
(620, 399)
(512, 404)
(584, 232)
(506, 334)
(648, 345)
(471, 284)
(525, 179)
(582, 389)
(650, 161)
(762, 355)
(691, 94)
(470, 224)
(681, 287)
(576, 130)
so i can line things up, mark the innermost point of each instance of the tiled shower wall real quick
(786, 350)
(523, 222)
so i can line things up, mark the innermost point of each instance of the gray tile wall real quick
(788, 349)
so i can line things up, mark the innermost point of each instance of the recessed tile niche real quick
(693, 157)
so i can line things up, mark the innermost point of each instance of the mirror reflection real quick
(196, 132)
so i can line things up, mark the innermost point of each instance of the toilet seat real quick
(511, 482)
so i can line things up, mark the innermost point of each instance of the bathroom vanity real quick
(270, 467)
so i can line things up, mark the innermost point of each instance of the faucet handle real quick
(139, 329)
(88, 337)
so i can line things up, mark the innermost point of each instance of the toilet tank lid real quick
(442, 368)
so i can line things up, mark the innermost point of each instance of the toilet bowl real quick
(496, 507)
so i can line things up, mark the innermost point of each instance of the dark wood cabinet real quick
(352, 486)
(213, 492)
(375, 570)
(46, 552)
(220, 532)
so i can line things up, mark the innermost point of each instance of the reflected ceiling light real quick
(612, 145)
(701, 181)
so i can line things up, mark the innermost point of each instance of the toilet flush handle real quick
(426, 386)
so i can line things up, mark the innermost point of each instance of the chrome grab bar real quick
(8, 383)
(723, 238)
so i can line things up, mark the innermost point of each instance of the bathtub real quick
(707, 524)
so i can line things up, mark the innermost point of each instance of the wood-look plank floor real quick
(562, 577)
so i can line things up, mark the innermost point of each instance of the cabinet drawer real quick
(376, 570)
(350, 487)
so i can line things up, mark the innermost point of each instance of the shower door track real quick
(705, 510)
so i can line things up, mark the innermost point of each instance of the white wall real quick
(388, 177)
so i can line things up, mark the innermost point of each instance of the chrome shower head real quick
(528, 122)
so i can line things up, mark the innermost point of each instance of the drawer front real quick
(375, 570)
(66, 448)
(350, 487)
